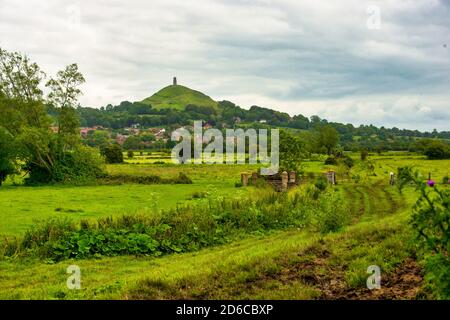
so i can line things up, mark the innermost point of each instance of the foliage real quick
(182, 229)
(328, 138)
(292, 151)
(331, 160)
(431, 222)
(148, 179)
(364, 154)
(331, 214)
(46, 155)
(7, 157)
(348, 161)
(321, 183)
(112, 153)
(435, 149)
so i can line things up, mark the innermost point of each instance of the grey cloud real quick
(305, 57)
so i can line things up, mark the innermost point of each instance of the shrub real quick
(7, 166)
(130, 154)
(80, 165)
(113, 153)
(149, 179)
(364, 155)
(199, 195)
(182, 179)
(331, 214)
(348, 161)
(321, 183)
(182, 229)
(431, 221)
(331, 160)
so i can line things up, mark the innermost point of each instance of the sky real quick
(381, 62)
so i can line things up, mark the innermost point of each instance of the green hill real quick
(178, 97)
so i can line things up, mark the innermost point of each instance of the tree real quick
(113, 153)
(292, 150)
(46, 156)
(437, 149)
(328, 138)
(7, 166)
(98, 138)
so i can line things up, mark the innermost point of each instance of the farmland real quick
(275, 262)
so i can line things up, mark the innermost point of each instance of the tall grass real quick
(182, 229)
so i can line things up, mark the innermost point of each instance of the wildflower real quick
(431, 183)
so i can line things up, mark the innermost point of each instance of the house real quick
(121, 138)
(160, 134)
(84, 132)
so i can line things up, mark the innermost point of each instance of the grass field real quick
(279, 264)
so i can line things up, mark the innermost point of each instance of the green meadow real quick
(278, 263)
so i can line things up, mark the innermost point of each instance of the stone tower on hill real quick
(174, 81)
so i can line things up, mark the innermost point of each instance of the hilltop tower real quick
(174, 81)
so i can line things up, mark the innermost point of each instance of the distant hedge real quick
(150, 179)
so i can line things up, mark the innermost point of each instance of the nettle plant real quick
(431, 222)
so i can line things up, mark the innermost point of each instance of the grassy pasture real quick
(288, 264)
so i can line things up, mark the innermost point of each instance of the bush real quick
(130, 154)
(364, 155)
(348, 161)
(321, 183)
(182, 179)
(81, 165)
(431, 221)
(113, 153)
(331, 160)
(331, 214)
(434, 149)
(182, 229)
(7, 166)
(199, 195)
(149, 179)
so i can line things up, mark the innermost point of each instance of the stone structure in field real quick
(392, 178)
(280, 181)
(245, 178)
(331, 177)
(174, 81)
(284, 181)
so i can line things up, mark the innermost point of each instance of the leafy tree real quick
(7, 166)
(64, 97)
(436, 149)
(113, 153)
(132, 143)
(327, 137)
(292, 151)
(23, 116)
(98, 138)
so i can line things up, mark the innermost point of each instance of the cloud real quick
(306, 57)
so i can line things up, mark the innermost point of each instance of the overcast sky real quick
(385, 62)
